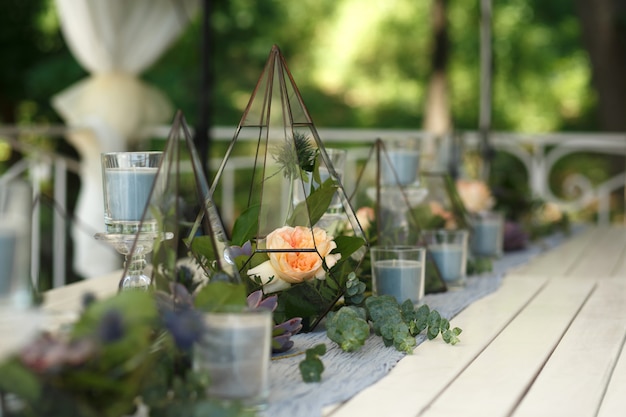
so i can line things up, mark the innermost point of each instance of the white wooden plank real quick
(495, 382)
(602, 257)
(63, 304)
(614, 402)
(620, 270)
(417, 379)
(574, 379)
(558, 260)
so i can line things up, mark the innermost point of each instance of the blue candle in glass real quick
(8, 241)
(128, 191)
(404, 163)
(450, 262)
(400, 278)
(487, 235)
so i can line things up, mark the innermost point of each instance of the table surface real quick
(549, 342)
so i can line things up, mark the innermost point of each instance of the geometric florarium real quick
(394, 199)
(299, 236)
(444, 206)
(186, 215)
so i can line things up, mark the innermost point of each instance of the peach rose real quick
(365, 216)
(437, 209)
(476, 195)
(286, 268)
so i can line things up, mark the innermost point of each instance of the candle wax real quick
(128, 191)
(398, 277)
(8, 241)
(404, 163)
(449, 260)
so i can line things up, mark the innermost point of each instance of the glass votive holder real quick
(235, 352)
(398, 271)
(448, 249)
(128, 180)
(16, 199)
(399, 163)
(487, 237)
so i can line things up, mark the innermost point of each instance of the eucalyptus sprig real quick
(397, 324)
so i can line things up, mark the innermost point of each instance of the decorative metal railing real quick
(538, 153)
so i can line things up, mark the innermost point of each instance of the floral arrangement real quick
(128, 351)
(305, 266)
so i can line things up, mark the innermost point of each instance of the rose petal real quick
(269, 278)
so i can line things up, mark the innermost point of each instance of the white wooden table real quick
(549, 342)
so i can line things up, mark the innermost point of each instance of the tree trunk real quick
(437, 118)
(604, 41)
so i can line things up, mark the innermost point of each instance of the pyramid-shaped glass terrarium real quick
(390, 189)
(298, 234)
(185, 218)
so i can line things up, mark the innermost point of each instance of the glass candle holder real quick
(449, 251)
(15, 230)
(398, 271)
(235, 351)
(128, 180)
(399, 164)
(487, 236)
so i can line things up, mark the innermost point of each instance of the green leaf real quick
(246, 225)
(138, 308)
(347, 245)
(311, 367)
(203, 246)
(309, 212)
(221, 296)
(16, 379)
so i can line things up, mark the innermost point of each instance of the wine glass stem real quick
(135, 263)
(135, 278)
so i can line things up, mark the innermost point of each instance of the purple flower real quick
(185, 326)
(515, 238)
(111, 328)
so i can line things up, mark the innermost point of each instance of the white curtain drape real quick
(115, 40)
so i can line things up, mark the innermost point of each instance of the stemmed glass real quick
(130, 182)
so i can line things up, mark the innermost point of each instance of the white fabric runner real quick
(346, 374)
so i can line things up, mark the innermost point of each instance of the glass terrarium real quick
(165, 209)
(390, 193)
(298, 234)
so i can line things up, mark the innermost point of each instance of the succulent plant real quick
(515, 238)
(281, 334)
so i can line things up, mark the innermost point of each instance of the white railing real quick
(537, 152)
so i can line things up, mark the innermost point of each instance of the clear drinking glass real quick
(398, 271)
(449, 251)
(128, 178)
(235, 352)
